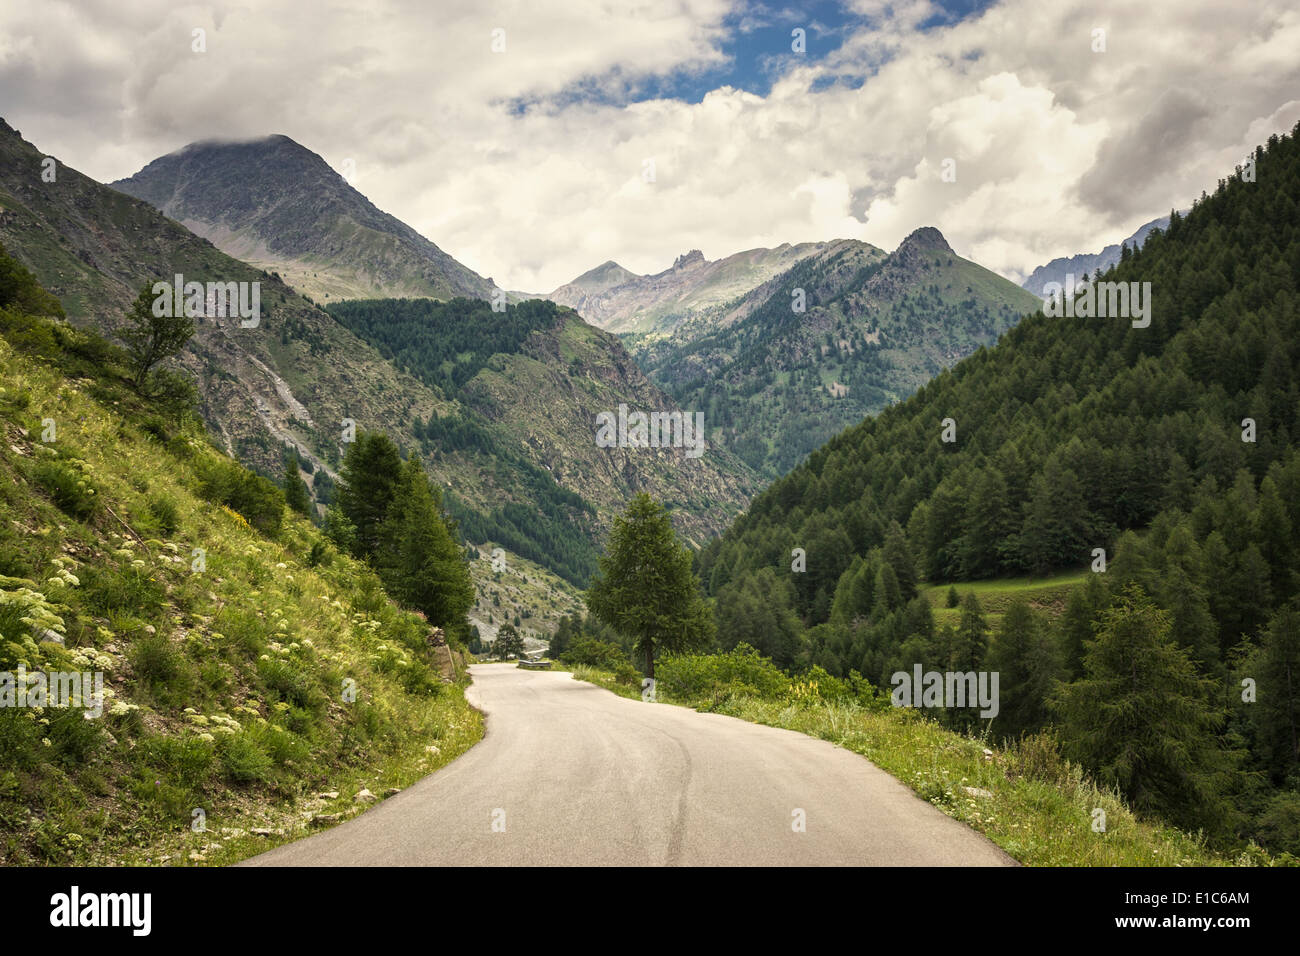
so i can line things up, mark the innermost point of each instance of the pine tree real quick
(971, 640)
(645, 588)
(759, 612)
(369, 477)
(1274, 666)
(1055, 531)
(419, 559)
(1139, 718)
(1083, 607)
(1027, 662)
(295, 489)
(509, 642)
(988, 522)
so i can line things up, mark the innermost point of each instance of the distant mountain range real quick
(783, 348)
(1085, 264)
(295, 377)
(277, 205)
(615, 299)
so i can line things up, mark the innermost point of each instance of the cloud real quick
(528, 164)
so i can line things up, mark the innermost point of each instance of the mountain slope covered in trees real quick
(529, 382)
(1169, 450)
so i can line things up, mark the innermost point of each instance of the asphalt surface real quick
(569, 774)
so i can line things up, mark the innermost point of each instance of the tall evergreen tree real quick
(1274, 666)
(1083, 608)
(646, 589)
(370, 474)
(1140, 718)
(295, 489)
(419, 559)
(1027, 661)
(509, 642)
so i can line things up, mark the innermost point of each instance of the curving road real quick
(578, 775)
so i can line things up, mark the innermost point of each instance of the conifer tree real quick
(370, 474)
(419, 559)
(1140, 717)
(1274, 666)
(646, 589)
(1027, 661)
(295, 490)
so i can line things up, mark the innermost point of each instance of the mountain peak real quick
(926, 238)
(691, 258)
(279, 205)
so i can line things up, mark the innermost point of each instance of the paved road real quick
(579, 775)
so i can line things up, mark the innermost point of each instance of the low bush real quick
(594, 653)
(695, 676)
(70, 489)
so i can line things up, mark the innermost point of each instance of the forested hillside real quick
(528, 383)
(298, 376)
(1172, 448)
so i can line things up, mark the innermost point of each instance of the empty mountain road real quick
(578, 775)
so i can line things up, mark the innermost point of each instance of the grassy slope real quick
(1031, 803)
(1042, 594)
(226, 684)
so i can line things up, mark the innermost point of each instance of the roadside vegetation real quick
(256, 678)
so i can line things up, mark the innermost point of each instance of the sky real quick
(534, 140)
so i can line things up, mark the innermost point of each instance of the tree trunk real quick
(650, 661)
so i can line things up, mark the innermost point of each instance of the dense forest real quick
(1163, 460)
(444, 344)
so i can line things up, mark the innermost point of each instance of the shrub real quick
(594, 653)
(243, 629)
(320, 555)
(161, 668)
(164, 514)
(1279, 824)
(243, 760)
(106, 590)
(187, 759)
(71, 491)
(1038, 757)
(282, 746)
(260, 502)
(692, 676)
(625, 673)
(72, 737)
(289, 684)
